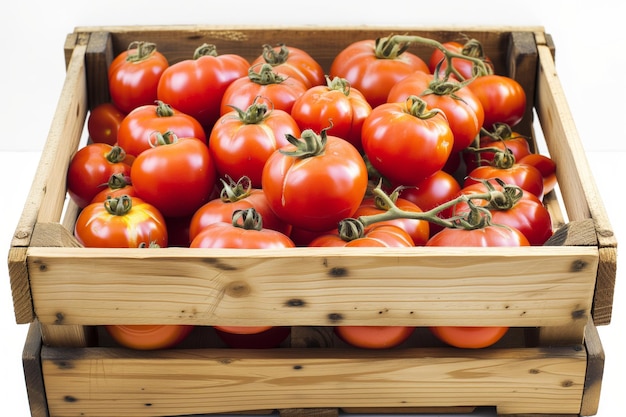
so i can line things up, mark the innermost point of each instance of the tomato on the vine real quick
(91, 168)
(136, 131)
(315, 181)
(501, 137)
(239, 195)
(292, 62)
(419, 230)
(134, 75)
(465, 67)
(383, 235)
(279, 90)
(502, 97)
(177, 175)
(241, 141)
(336, 104)
(464, 112)
(121, 222)
(195, 86)
(406, 142)
(374, 66)
(103, 123)
(527, 214)
(505, 168)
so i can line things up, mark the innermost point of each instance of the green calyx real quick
(140, 50)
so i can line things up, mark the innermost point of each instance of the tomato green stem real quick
(235, 191)
(310, 144)
(206, 49)
(118, 181)
(273, 57)
(116, 154)
(248, 219)
(118, 206)
(254, 114)
(140, 50)
(265, 76)
(164, 109)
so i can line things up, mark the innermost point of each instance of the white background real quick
(589, 39)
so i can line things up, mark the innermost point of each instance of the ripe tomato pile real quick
(385, 149)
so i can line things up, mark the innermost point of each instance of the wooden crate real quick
(552, 296)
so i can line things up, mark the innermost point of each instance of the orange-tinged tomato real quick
(374, 337)
(103, 123)
(243, 329)
(149, 337)
(469, 337)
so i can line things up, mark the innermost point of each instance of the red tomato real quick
(279, 90)
(503, 99)
(374, 337)
(149, 337)
(292, 62)
(196, 86)
(431, 192)
(335, 104)
(241, 141)
(118, 185)
(464, 67)
(103, 123)
(383, 235)
(419, 230)
(374, 66)
(122, 222)
(316, 181)
(462, 108)
(237, 338)
(545, 165)
(524, 176)
(405, 142)
(177, 175)
(502, 138)
(236, 196)
(528, 215)
(469, 337)
(134, 76)
(245, 230)
(91, 168)
(136, 130)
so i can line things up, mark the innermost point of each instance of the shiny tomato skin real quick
(240, 148)
(218, 210)
(133, 82)
(297, 63)
(545, 165)
(503, 99)
(142, 225)
(527, 177)
(528, 215)
(177, 178)
(373, 76)
(196, 86)
(404, 148)
(104, 122)
(148, 336)
(463, 66)
(316, 192)
(90, 169)
(431, 192)
(281, 95)
(419, 230)
(374, 337)
(493, 235)
(323, 106)
(516, 143)
(469, 337)
(136, 132)
(225, 235)
(464, 112)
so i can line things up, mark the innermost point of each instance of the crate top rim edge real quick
(198, 27)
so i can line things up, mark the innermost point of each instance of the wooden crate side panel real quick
(314, 286)
(47, 193)
(97, 381)
(33, 376)
(579, 191)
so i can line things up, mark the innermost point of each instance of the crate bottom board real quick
(302, 382)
